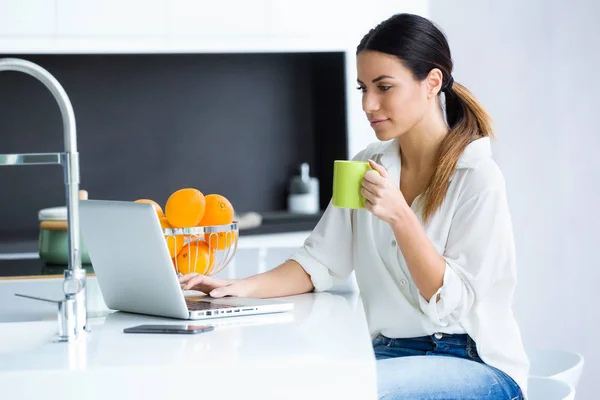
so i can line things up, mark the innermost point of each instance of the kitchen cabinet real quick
(260, 253)
(248, 262)
(159, 18)
(313, 17)
(132, 26)
(27, 18)
(332, 18)
(228, 18)
(110, 18)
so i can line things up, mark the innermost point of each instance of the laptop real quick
(134, 270)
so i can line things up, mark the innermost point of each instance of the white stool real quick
(549, 389)
(562, 365)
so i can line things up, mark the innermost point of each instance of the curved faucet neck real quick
(73, 310)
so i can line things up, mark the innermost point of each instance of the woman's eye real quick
(383, 88)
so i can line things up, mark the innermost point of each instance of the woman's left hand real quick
(382, 196)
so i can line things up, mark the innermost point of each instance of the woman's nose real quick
(370, 103)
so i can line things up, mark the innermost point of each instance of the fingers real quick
(373, 177)
(368, 195)
(372, 207)
(192, 280)
(197, 279)
(202, 282)
(223, 291)
(370, 190)
(186, 278)
(236, 288)
(371, 187)
(379, 168)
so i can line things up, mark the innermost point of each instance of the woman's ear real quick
(434, 82)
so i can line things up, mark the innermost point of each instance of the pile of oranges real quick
(188, 208)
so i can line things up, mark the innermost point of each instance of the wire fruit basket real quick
(205, 250)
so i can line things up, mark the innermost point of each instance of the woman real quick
(433, 251)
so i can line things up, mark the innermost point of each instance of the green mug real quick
(347, 178)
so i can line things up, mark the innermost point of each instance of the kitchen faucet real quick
(72, 310)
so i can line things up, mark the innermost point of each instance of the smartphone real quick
(183, 329)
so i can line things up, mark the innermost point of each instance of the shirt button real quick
(438, 335)
(403, 282)
(393, 243)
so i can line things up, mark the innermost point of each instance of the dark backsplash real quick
(147, 125)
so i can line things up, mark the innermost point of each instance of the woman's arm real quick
(287, 279)
(425, 265)
(324, 260)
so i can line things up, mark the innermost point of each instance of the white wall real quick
(534, 65)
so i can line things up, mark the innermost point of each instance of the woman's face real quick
(393, 99)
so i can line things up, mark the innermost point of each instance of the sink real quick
(28, 327)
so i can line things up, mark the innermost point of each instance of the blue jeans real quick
(406, 370)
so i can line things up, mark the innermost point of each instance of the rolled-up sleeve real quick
(480, 243)
(327, 253)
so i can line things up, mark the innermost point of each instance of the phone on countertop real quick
(165, 328)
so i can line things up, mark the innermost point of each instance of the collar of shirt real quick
(389, 156)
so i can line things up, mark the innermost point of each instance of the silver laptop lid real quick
(130, 258)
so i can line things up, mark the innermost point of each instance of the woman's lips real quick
(377, 122)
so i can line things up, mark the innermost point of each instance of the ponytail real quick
(468, 121)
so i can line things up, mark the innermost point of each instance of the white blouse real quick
(473, 232)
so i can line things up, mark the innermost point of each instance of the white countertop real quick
(321, 350)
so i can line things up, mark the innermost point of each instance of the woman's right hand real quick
(214, 287)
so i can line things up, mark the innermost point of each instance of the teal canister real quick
(53, 241)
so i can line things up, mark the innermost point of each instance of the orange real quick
(195, 257)
(219, 211)
(185, 208)
(221, 240)
(175, 243)
(157, 207)
(164, 223)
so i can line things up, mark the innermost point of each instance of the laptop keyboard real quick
(205, 305)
